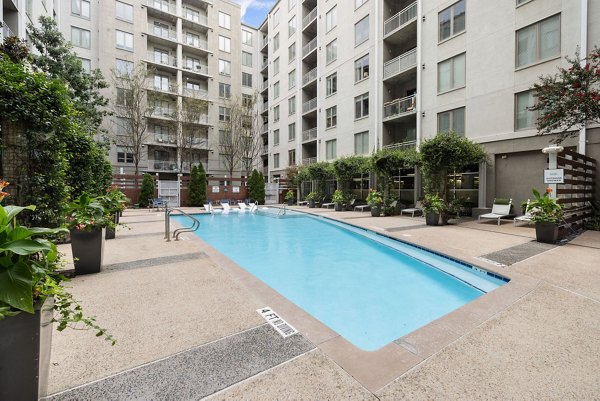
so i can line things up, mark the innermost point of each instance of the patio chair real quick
(412, 210)
(362, 208)
(328, 204)
(500, 210)
(302, 203)
(157, 203)
(227, 209)
(212, 209)
(526, 217)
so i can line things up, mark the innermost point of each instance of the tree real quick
(256, 185)
(387, 162)
(197, 186)
(569, 99)
(194, 131)
(147, 190)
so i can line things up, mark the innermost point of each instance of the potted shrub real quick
(546, 214)
(433, 207)
(311, 199)
(338, 199)
(114, 204)
(87, 222)
(31, 298)
(289, 197)
(375, 199)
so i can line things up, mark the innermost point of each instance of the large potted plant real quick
(87, 221)
(31, 298)
(311, 199)
(375, 200)
(433, 207)
(546, 213)
(113, 203)
(338, 198)
(289, 197)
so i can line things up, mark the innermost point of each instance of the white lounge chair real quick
(244, 208)
(210, 209)
(498, 212)
(526, 217)
(328, 204)
(228, 209)
(412, 210)
(362, 208)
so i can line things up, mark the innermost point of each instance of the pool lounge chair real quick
(211, 209)
(499, 211)
(526, 217)
(228, 209)
(412, 210)
(326, 205)
(362, 208)
(302, 203)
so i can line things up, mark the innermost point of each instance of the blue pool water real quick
(368, 288)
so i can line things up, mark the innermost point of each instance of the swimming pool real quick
(368, 288)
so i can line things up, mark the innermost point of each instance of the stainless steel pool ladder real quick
(195, 224)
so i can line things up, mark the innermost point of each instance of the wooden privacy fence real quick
(577, 191)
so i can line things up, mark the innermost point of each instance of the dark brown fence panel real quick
(577, 191)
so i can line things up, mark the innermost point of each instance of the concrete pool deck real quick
(187, 328)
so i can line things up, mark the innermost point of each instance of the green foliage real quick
(311, 196)
(198, 186)
(15, 48)
(388, 162)
(320, 172)
(147, 190)
(29, 266)
(347, 168)
(338, 196)
(570, 98)
(256, 185)
(89, 169)
(374, 198)
(291, 173)
(544, 208)
(86, 213)
(113, 201)
(434, 203)
(302, 175)
(289, 195)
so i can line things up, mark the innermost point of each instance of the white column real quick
(583, 52)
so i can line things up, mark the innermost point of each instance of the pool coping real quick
(376, 369)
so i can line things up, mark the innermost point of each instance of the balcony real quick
(309, 48)
(187, 168)
(401, 145)
(265, 107)
(161, 8)
(197, 22)
(160, 32)
(161, 60)
(309, 19)
(264, 65)
(196, 68)
(195, 93)
(196, 44)
(162, 165)
(162, 112)
(399, 108)
(309, 135)
(309, 77)
(264, 44)
(400, 64)
(265, 149)
(162, 140)
(264, 86)
(309, 106)
(309, 160)
(394, 27)
(170, 88)
(6, 31)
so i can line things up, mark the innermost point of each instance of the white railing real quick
(165, 139)
(400, 64)
(196, 67)
(309, 76)
(163, 112)
(162, 5)
(264, 85)
(265, 107)
(309, 105)
(170, 88)
(197, 43)
(162, 165)
(6, 31)
(309, 47)
(401, 145)
(264, 65)
(265, 149)
(162, 32)
(195, 93)
(309, 134)
(399, 106)
(161, 58)
(399, 20)
(309, 160)
(310, 17)
(265, 41)
(198, 19)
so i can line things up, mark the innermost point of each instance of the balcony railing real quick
(309, 47)
(265, 41)
(265, 149)
(187, 167)
(309, 76)
(264, 85)
(309, 160)
(401, 145)
(399, 106)
(309, 134)
(162, 5)
(310, 17)
(162, 32)
(163, 112)
(165, 139)
(162, 165)
(6, 31)
(198, 19)
(170, 87)
(400, 64)
(264, 65)
(197, 43)
(161, 58)
(265, 107)
(196, 67)
(402, 18)
(309, 105)
(196, 93)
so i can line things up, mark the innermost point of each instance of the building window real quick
(331, 51)
(291, 4)
(224, 20)
(292, 52)
(123, 97)
(247, 59)
(276, 66)
(452, 120)
(331, 149)
(247, 100)
(275, 137)
(358, 3)
(292, 105)
(80, 8)
(81, 37)
(361, 106)
(331, 84)
(361, 31)
(292, 79)
(276, 160)
(276, 113)
(124, 154)
(224, 90)
(124, 11)
(539, 41)
(276, 42)
(452, 20)
(331, 117)
(276, 18)
(361, 143)
(224, 67)
(292, 26)
(331, 19)
(291, 131)
(224, 114)
(247, 37)
(276, 90)
(361, 68)
(224, 44)
(124, 40)
(246, 79)
(86, 64)
(161, 82)
(451, 73)
(525, 118)
(292, 157)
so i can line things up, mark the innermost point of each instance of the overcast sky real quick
(254, 11)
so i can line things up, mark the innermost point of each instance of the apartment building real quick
(16, 14)
(347, 78)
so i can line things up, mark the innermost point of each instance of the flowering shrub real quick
(374, 198)
(86, 213)
(3, 184)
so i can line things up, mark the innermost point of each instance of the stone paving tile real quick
(199, 372)
(518, 253)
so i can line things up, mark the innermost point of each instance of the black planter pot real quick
(375, 211)
(290, 202)
(110, 233)
(311, 203)
(546, 232)
(338, 207)
(25, 343)
(88, 250)
(432, 218)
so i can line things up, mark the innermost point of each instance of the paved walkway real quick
(187, 328)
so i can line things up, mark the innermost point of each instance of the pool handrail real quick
(195, 224)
